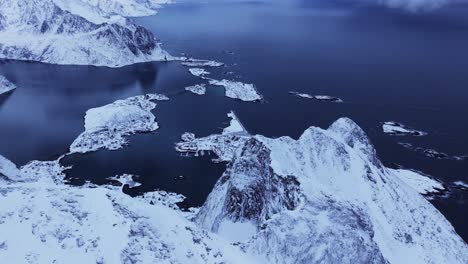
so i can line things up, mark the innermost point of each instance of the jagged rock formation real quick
(81, 32)
(324, 198)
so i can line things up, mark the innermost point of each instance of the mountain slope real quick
(324, 198)
(75, 32)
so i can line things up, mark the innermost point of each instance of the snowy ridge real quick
(64, 224)
(324, 198)
(78, 32)
(5, 85)
(107, 126)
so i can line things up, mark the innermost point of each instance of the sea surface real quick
(386, 64)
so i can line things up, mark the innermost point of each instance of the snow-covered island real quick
(325, 98)
(461, 185)
(199, 72)
(432, 153)
(394, 128)
(238, 90)
(5, 85)
(199, 89)
(107, 126)
(233, 89)
(78, 32)
(191, 62)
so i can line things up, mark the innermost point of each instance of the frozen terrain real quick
(5, 85)
(79, 32)
(461, 184)
(233, 89)
(199, 89)
(324, 198)
(45, 221)
(394, 128)
(419, 182)
(325, 98)
(201, 63)
(107, 126)
(126, 179)
(199, 72)
(238, 90)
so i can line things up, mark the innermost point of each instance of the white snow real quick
(461, 184)
(5, 85)
(126, 179)
(325, 98)
(8, 169)
(323, 194)
(48, 222)
(78, 32)
(225, 146)
(419, 182)
(107, 126)
(34, 171)
(233, 89)
(199, 72)
(323, 198)
(236, 231)
(394, 128)
(235, 126)
(199, 89)
(432, 153)
(202, 63)
(186, 137)
(238, 90)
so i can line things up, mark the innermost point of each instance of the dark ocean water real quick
(385, 64)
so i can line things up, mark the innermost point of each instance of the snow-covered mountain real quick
(81, 32)
(323, 198)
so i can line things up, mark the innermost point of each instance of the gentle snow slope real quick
(42, 221)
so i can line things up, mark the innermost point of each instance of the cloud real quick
(415, 5)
